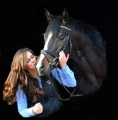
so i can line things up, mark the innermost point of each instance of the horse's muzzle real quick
(43, 69)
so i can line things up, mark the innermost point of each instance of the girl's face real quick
(31, 61)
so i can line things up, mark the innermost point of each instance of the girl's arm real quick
(23, 110)
(67, 75)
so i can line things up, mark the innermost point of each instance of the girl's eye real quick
(28, 61)
(32, 56)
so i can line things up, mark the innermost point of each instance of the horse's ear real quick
(48, 15)
(65, 16)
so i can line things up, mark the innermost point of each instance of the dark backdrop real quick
(23, 25)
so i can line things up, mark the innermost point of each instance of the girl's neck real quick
(33, 73)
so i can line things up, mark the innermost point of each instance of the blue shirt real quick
(67, 77)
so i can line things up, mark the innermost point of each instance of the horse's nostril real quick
(41, 67)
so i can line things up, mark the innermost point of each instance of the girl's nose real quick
(33, 60)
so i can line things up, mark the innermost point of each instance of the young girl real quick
(33, 93)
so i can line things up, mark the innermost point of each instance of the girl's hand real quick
(38, 108)
(63, 59)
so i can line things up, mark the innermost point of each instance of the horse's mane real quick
(88, 30)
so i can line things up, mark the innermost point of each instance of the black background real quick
(23, 25)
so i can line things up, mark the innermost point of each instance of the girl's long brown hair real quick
(19, 75)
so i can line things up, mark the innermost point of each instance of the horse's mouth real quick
(43, 73)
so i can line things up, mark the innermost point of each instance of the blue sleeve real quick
(67, 76)
(21, 99)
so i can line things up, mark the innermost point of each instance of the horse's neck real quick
(81, 41)
(78, 39)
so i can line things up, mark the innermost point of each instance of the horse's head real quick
(57, 38)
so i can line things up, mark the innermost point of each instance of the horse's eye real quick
(61, 37)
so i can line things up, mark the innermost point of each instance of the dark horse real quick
(85, 46)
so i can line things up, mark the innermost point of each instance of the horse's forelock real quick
(54, 25)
